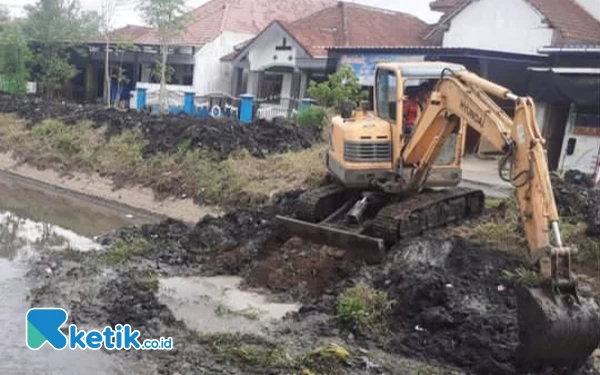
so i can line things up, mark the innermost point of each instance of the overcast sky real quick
(126, 13)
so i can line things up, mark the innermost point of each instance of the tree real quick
(108, 8)
(120, 74)
(14, 58)
(168, 18)
(340, 86)
(56, 29)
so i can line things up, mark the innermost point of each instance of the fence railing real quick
(246, 108)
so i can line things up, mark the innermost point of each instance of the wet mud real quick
(454, 308)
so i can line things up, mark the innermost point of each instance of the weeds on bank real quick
(363, 308)
(521, 276)
(255, 351)
(123, 251)
(184, 171)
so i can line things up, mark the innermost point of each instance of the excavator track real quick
(417, 214)
(316, 205)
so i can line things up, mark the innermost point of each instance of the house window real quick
(587, 121)
(271, 86)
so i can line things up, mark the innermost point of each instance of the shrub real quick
(311, 117)
(363, 308)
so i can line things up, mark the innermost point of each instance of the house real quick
(279, 62)
(570, 87)
(519, 26)
(212, 32)
(559, 30)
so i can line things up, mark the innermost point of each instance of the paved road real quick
(483, 174)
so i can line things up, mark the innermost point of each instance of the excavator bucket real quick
(558, 330)
(370, 249)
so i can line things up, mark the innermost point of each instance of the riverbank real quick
(93, 188)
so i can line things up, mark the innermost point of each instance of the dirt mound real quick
(223, 136)
(451, 310)
(225, 244)
(576, 197)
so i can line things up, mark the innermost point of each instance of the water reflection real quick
(19, 234)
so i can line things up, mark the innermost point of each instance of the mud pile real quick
(576, 197)
(452, 305)
(223, 136)
(220, 245)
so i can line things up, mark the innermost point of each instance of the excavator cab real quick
(396, 175)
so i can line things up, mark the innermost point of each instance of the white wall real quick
(210, 74)
(592, 7)
(587, 150)
(507, 25)
(263, 54)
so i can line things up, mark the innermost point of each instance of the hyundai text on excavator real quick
(391, 185)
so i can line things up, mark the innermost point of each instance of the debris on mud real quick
(223, 137)
(577, 197)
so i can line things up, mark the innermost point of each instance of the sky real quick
(126, 9)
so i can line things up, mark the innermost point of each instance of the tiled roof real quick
(349, 24)
(241, 16)
(573, 23)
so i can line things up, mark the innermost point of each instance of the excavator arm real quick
(557, 325)
(464, 97)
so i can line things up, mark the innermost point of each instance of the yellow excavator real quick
(394, 181)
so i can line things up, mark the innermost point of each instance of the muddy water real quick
(217, 304)
(25, 232)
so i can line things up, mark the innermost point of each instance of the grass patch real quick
(122, 251)
(324, 360)
(363, 308)
(247, 350)
(262, 178)
(522, 276)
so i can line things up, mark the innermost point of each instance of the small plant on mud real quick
(363, 308)
(247, 350)
(521, 276)
(122, 251)
(324, 360)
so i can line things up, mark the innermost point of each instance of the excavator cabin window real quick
(386, 95)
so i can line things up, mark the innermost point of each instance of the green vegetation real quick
(341, 85)
(363, 308)
(312, 117)
(196, 173)
(14, 59)
(168, 18)
(257, 352)
(247, 350)
(57, 27)
(503, 230)
(122, 251)
(521, 276)
(324, 360)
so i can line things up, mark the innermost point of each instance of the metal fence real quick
(271, 107)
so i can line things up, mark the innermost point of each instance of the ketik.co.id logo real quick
(44, 326)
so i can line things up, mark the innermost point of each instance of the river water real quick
(25, 230)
